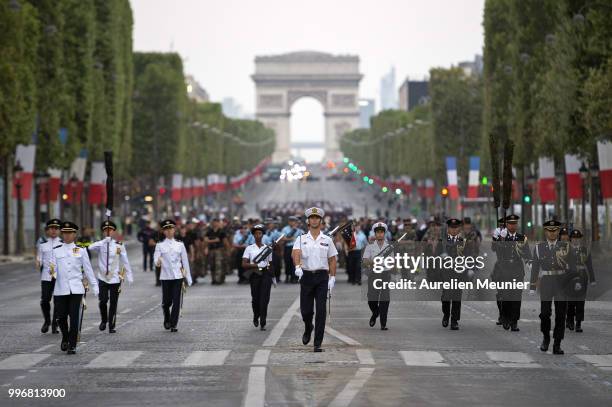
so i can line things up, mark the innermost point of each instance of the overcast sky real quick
(218, 40)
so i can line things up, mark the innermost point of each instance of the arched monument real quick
(333, 80)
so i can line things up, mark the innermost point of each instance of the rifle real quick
(267, 250)
(385, 252)
(507, 176)
(108, 165)
(339, 229)
(495, 173)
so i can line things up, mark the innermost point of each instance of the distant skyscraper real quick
(367, 109)
(472, 68)
(388, 99)
(412, 94)
(231, 108)
(195, 91)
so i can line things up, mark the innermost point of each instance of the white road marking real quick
(344, 398)
(256, 387)
(206, 358)
(261, 357)
(365, 356)
(23, 360)
(43, 348)
(422, 358)
(512, 359)
(87, 328)
(603, 362)
(341, 336)
(282, 324)
(583, 347)
(114, 359)
(19, 377)
(125, 311)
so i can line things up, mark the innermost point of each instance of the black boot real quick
(102, 326)
(445, 321)
(454, 325)
(307, 334)
(578, 326)
(256, 321)
(570, 324)
(373, 318)
(111, 328)
(64, 344)
(514, 327)
(557, 347)
(545, 343)
(45, 327)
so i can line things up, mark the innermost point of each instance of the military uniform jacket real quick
(371, 250)
(72, 261)
(173, 257)
(549, 259)
(315, 253)
(117, 259)
(46, 256)
(253, 251)
(511, 251)
(581, 262)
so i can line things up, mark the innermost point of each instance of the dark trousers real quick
(261, 284)
(551, 288)
(276, 265)
(171, 300)
(313, 289)
(510, 311)
(46, 293)
(289, 266)
(380, 309)
(147, 253)
(353, 266)
(238, 259)
(451, 304)
(575, 309)
(106, 291)
(68, 307)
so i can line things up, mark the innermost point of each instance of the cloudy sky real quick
(218, 40)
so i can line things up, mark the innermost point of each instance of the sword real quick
(83, 308)
(329, 296)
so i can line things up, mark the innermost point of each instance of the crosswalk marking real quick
(206, 358)
(341, 336)
(42, 348)
(114, 359)
(261, 357)
(422, 358)
(344, 398)
(604, 362)
(365, 356)
(512, 359)
(256, 387)
(23, 360)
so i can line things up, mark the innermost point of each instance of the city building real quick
(231, 108)
(412, 94)
(367, 109)
(472, 68)
(195, 91)
(388, 96)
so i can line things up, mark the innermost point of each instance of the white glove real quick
(531, 292)
(331, 283)
(504, 232)
(299, 272)
(496, 233)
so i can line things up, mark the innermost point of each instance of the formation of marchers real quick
(454, 284)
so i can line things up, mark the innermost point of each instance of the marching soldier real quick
(291, 232)
(242, 239)
(511, 249)
(261, 278)
(46, 263)
(71, 262)
(580, 275)
(550, 259)
(451, 299)
(378, 298)
(314, 255)
(215, 238)
(113, 268)
(171, 256)
(499, 233)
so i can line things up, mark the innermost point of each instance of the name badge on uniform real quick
(324, 244)
(118, 251)
(75, 250)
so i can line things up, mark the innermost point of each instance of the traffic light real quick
(385, 189)
(398, 191)
(484, 181)
(527, 199)
(444, 192)
(370, 181)
(366, 178)
(529, 224)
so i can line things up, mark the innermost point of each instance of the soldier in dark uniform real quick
(511, 250)
(550, 259)
(451, 298)
(579, 276)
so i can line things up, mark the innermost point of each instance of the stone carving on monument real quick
(294, 95)
(271, 101)
(343, 100)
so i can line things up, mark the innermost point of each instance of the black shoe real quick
(54, 329)
(64, 345)
(71, 351)
(306, 336)
(499, 321)
(373, 319)
(256, 322)
(557, 349)
(111, 329)
(514, 327)
(445, 322)
(102, 326)
(45, 328)
(578, 326)
(506, 325)
(318, 349)
(454, 326)
(173, 330)
(570, 325)
(166, 325)
(262, 328)
(358, 282)
(545, 343)
(384, 328)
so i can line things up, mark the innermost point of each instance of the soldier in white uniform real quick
(261, 278)
(46, 264)
(378, 298)
(314, 255)
(171, 256)
(111, 274)
(71, 262)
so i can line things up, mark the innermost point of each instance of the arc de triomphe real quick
(280, 80)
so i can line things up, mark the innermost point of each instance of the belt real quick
(317, 271)
(552, 272)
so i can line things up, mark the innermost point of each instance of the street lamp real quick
(584, 173)
(17, 170)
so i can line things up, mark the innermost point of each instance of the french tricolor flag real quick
(55, 178)
(177, 187)
(473, 177)
(546, 182)
(604, 152)
(572, 176)
(451, 173)
(97, 185)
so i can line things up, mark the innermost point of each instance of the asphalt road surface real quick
(219, 359)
